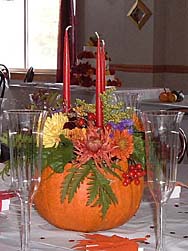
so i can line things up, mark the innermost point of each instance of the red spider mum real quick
(95, 144)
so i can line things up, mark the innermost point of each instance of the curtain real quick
(67, 16)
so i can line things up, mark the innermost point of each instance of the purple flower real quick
(122, 125)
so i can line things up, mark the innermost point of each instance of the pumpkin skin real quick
(76, 215)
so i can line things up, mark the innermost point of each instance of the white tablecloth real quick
(46, 237)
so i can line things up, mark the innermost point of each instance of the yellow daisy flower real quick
(53, 128)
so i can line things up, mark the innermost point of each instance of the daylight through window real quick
(41, 22)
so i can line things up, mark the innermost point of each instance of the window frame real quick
(41, 75)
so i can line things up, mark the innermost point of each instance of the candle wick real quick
(96, 33)
(103, 43)
(70, 26)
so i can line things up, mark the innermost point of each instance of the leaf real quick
(78, 178)
(4, 138)
(93, 190)
(58, 157)
(100, 191)
(6, 170)
(66, 183)
(42, 99)
(109, 170)
(73, 180)
(139, 148)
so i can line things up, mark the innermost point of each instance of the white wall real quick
(162, 41)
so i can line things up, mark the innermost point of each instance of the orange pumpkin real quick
(76, 215)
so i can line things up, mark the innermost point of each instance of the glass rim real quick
(126, 93)
(14, 111)
(162, 112)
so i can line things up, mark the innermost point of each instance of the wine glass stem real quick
(25, 225)
(160, 227)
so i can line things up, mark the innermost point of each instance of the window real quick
(29, 31)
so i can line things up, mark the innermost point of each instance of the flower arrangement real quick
(94, 152)
(74, 137)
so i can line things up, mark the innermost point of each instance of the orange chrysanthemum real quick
(77, 133)
(95, 144)
(123, 144)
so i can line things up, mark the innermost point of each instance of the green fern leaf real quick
(111, 171)
(73, 180)
(100, 191)
(66, 183)
(77, 179)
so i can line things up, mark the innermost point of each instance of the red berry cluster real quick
(134, 172)
(82, 122)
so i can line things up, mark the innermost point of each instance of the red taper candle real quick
(99, 110)
(103, 67)
(66, 71)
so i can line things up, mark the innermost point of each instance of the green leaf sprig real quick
(99, 189)
(58, 157)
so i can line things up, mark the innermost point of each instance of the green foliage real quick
(19, 140)
(113, 110)
(5, 171)
(58, 157)
(46, 100)
(139, 148)
(4, 138)
(111, 170)
(86, 108)
(25, 142)
(73, 180)
(100, 192)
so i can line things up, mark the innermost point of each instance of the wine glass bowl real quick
(130, 101)
(162, 150)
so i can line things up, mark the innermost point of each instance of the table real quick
(46, 237)
(20, 89)
(157, 104)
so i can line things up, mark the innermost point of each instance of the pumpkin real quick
(76, 215)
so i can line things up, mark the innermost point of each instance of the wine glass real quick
(162, 148)
(5, 191)
(25, 129)
(130, 101)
